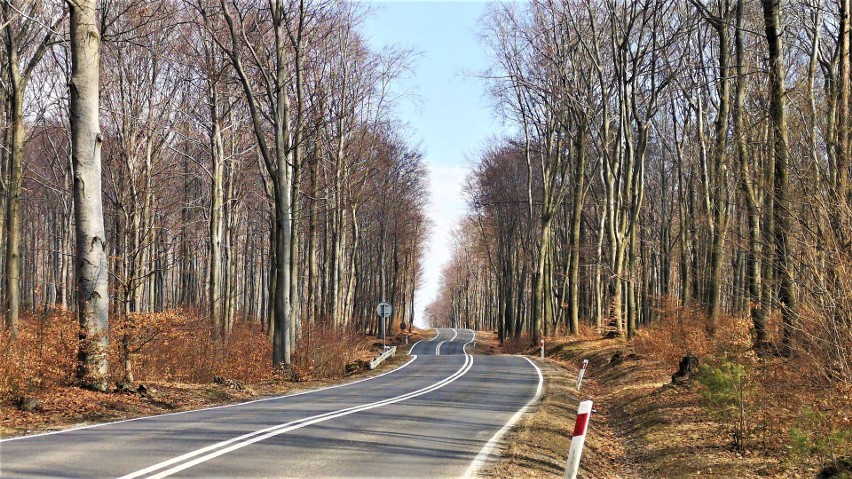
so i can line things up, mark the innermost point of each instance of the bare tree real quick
(91, 262)
(26, 42)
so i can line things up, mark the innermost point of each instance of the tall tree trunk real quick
(283, 203)
(718, 181)
(753, 265)
(781, 208)
(217, 197)
(295, 303)
(4, 192)
(92, 274)
(841, 144)
(575, 239)
(313, 239)
(13, 205)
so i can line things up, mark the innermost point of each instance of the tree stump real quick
(688, 365)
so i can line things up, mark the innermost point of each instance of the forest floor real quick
(62, 407)
(642, 425)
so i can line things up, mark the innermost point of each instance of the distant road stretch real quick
(439, 415)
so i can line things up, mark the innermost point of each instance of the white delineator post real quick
(542, 349)
(578, 438)
(582, 373)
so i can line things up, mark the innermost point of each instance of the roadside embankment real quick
(643, 426)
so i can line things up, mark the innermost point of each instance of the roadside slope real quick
(642, 427)
(537, 447)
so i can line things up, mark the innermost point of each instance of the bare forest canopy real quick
(666, 154)
(248, 159)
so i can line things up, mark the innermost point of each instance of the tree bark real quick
(91, 267)
(781, 208)
(217, 196)
(575, 239)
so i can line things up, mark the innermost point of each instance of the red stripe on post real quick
(580, 425)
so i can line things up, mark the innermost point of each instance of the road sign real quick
(384, 310)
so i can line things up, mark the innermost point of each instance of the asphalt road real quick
(439, 415)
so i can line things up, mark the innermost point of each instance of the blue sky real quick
(449, 117)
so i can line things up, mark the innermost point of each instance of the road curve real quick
(436, 416)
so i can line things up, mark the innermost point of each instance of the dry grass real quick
(538, 445)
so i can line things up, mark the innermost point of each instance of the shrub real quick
(175, 345)
(816, 436)
(42, 356)
(516, 345)
(728, 394)
(684, 331)
(324, 351)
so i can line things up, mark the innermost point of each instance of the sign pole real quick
(384, 311)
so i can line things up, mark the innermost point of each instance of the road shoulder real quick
(537, 447)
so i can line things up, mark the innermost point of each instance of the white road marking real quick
(223, 406)
(472, 340)
(251, 438)
(437, 333)
(438, 348)
(486, 450)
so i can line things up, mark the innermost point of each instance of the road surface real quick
(436, 416)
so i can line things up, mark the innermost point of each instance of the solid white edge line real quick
(486, 450)
(287, 427)
(222, 406)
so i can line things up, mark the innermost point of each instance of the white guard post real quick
(582, 373)
(578, 439)
(542, 349)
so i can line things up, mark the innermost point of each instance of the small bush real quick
(43, 355)
(172, 346)
(816, 436)
(728, 394)
(684, 331)
(513, 345)
(324, 350)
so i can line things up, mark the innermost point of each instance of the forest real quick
(199, 173)
(694, 153)
(677, 175)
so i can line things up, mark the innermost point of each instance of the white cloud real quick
(447, 207)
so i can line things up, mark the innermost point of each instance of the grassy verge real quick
(538, 446)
